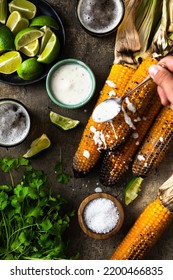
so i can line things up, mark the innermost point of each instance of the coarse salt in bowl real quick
(100, 215)
(70, 83)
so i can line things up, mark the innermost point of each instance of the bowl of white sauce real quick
(70, 83)
(14, 122)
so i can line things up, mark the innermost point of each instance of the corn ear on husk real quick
(156, 144)
(88, 152)
(116, 162)
(149, 227)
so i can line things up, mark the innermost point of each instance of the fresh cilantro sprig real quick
(61, 177)
(32, 220)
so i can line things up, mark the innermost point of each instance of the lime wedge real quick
(37, 146)
(45, 38)
(9, 62)
(16, 22)
(31, 49)
(6, 39)
(51, 50)
(30, 69)
(44, 20)
(3, 11)
(63, 122)
(26, 36)
(132, 189)
(26, 8)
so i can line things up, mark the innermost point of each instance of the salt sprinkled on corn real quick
(101, 215)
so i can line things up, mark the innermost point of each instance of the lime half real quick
(31, 49)
(6, 39)
(44, 40)
(9, 62)
(16, 22)
(26, 8)
(51, 50)
(38, 145)
(44, 20)
(132, 189)
(26, 36)
(63, 122)
(3, 11)
(30, 69)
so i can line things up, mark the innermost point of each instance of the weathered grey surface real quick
(98, 54)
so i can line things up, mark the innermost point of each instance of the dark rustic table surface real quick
(98, 53)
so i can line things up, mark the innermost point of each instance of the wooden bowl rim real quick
(83, 224)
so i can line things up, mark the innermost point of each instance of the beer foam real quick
(14, 123)
(100, 16)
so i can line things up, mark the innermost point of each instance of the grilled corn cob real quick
(156, 143)
(88, 151)
(116, 162)
(149, 227)
(116, 131)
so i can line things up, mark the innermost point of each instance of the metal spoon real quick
(110, 108)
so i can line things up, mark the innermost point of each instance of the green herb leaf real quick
(34, 221)
(8, 163)
(34, 212)
(3, 200)
(46, 225)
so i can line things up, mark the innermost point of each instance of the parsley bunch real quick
(32, 220)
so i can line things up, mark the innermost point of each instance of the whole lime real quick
(30, 69)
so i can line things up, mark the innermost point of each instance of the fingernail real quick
(153, 70)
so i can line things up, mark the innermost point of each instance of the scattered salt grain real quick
(101, 215)
(98, 189)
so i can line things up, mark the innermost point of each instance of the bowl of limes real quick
(32, 39)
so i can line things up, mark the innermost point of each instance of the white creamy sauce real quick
(71, 84)
(111, 83)
(140, 157)
(86, 154)
(106, 111)
(14, 123)
(161, 139)
(98, 137)
(112, 93)
(128, 119)
(130, 106)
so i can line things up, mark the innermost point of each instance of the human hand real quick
(164, 79)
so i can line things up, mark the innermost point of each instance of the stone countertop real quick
(98, 53)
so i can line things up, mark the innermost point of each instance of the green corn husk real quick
(146, 21)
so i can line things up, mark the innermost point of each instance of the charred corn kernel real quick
(88, 151)
(115, 132)
(155, 144)
(117, 161)
(145, 232)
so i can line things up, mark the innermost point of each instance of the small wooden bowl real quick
(82, 222)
